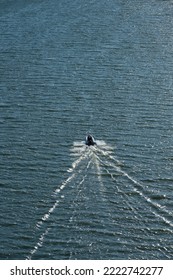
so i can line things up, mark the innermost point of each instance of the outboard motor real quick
(90, 140)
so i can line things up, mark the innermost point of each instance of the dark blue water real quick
(69, 67)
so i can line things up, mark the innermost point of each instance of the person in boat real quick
(90, 140)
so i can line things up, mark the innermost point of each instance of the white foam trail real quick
(76, 162)
(148, 199)
(118, 189)
(136, 213)
(99, 173)
(79, 190)
(46, 216)
(51, 210)
(98, 170)
(39, 244)
(63, 185)
(78, 148)
(80, 183)
(124, 194)
(138, 184)
(74, 166)
(107, 153)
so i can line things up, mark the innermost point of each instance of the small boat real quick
(90, 140)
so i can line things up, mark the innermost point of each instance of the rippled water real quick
(72, 67)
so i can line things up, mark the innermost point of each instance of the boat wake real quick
(136, 198)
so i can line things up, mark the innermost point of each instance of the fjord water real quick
(69, 67)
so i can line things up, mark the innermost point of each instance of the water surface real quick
(72, 67)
